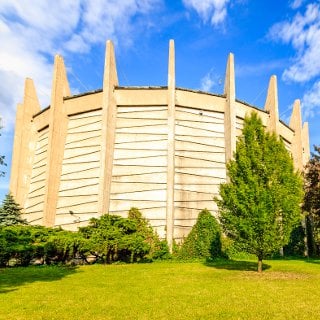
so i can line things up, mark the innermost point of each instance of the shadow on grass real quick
(12, 278)
(310, 260)
(235, 265)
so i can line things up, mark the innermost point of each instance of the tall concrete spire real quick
(24, 145)
(109, 115)
(230, 109)
(296, 125)
(271, 105)
(171, 145)
(58, 122)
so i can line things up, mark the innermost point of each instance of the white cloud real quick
(311, 101)
(214, 11)
(303, 33)
(208, 81)
(295, 4)
(30, 35)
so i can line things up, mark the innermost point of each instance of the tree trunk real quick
(259, 265)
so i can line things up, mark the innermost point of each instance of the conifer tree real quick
(259, 206)
(10, 212)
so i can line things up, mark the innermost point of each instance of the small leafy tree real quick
(311, 203)
(204, 240)
(10, 212)
(259, 206)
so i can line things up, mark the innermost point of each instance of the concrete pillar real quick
(271, 106)
(58, 123)
(296, 145)
(230, 109)
(171, 146)
(109, 115)
(305, 144)
(24, 144)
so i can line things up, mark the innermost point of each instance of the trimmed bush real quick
(204, 240)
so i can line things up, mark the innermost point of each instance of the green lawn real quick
(288, 289)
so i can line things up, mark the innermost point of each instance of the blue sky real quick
(267, 37)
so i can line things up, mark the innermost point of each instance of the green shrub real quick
(204, 240)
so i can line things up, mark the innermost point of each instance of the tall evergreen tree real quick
(311, 204)
(259, 206)
(10, 212)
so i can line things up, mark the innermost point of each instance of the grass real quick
(287, 289)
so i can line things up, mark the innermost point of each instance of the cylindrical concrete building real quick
(160, 149)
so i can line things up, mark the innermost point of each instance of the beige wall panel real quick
(35, 200)
(198, 116)
(193, 146)
(143, 161)
(287, 145)
(157, 215)
(84, 103)
(200, 204)
(215, 157)
(75, 192)
(219, 116)
(41, 120)
(77, 183)
(181, 178)
(148, 130)
(123, 110)
(185, 223)
(73, 152)
(211, 127)
(78, 167)
(213, 141)
(243, 110)
(122, 187)
(121, 205)
(147, 114)
(85, 115)
(149, 145)
(75, 141)
(135, 170)
(154, 195)
(36, 185)
(129, 122)
(210, 189)
(83, 158)
(82, 174)
(286, 132)
(197, 163)
(84, 119)
(199, 100)
(147, 96)
(131, 154)
(145, 178)
(147, 213)
(132, 137)
(204, 172)
(197, 129)
(84, 207)
(182, 195)
(89, 127)
(34, 219)
(70, 203)
(81, 137)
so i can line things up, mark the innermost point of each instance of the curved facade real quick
(161, 149)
